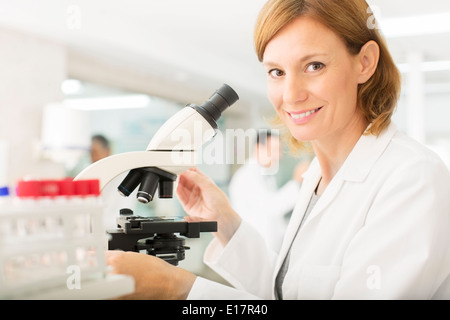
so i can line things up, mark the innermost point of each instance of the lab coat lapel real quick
(311, 179)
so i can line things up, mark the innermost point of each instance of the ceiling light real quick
(71, 86)
(131, 101)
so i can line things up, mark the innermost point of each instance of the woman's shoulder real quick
(408, 150)
(404, 156)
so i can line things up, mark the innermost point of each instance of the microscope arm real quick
(110, 167)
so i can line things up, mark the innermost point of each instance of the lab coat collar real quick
(360, 160)
(365, 153)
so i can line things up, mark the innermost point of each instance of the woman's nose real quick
(295, 91)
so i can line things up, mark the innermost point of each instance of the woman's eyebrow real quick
(269, 64)
(307, 57)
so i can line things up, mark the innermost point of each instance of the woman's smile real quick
(302, 117)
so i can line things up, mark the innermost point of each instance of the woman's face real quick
(312, 81)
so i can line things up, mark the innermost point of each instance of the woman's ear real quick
(368, 60)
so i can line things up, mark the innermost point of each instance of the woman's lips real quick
(303, 116)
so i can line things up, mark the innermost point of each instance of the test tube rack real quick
(52, 239)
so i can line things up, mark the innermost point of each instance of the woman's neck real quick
(333, 150)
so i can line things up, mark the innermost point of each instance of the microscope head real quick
(194, 125)
(178, 134)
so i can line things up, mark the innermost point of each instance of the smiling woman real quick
(377, 97)
(314, 90)
(372, 217)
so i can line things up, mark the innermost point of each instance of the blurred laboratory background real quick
(71, 69)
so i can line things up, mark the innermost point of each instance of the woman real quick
(372, 218)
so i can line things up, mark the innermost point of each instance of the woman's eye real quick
(315, 66)
(276, 73)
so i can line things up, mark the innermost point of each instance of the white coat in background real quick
(381, 230)
(254, 194)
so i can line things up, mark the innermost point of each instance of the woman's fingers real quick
(154, 278)
(191, 185)
(183, 189)
(194, 177)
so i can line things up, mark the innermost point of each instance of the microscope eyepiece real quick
(224, 97)
(221, 99)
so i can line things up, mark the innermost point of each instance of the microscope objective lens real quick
(144, 197)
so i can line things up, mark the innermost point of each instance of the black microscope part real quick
(150, 179)
(224, 97)
(212, 109)
(156, 235)
(147, 189)
(168, 247)
(165, 189)
(131, 181)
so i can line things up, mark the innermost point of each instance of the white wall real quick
(31, 74)
(435, 121)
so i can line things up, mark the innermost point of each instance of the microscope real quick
(172, 150)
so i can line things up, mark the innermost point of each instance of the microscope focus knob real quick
(126, 212)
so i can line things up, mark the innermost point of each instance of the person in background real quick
(100, 147)
(254, 193)
(113, 202)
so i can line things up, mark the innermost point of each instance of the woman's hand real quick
(201, 198)
(154, 278)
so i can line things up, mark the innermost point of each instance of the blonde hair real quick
(349, 19)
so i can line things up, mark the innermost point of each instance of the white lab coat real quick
(381, 230)
(254, 194)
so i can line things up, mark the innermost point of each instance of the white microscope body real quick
(172, 150)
